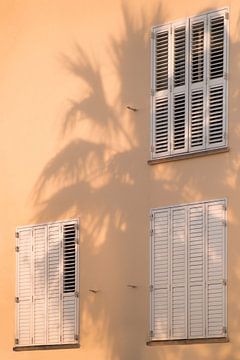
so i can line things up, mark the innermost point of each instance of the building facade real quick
(119, 183)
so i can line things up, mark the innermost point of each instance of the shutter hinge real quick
(17, 248)
(224, 207)
(224, 223)
(151, 232)
(224, 329)
(17, 299)
(151, 333)
(152, 148)
(225, 76)
(153, 35)
(16, 341)
(224, 282)
(226, 15)
(151, 288)
(76, 294)
(76, 337)
(77, 226)
(17, 234)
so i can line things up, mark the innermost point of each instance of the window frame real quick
(188, 340)
(206, 149)
(60, 243)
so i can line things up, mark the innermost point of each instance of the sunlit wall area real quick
(75, 125)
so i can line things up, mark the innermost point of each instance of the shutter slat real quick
(160, 276)
(178, 273)
(196, 271)
(216, 291)
(24, 287)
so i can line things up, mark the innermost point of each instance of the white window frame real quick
(188, 149)
(207, 336)
(74, 342)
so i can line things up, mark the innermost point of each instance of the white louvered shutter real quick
(70, 287)
(39, 234)
(217, 79)
(24, 307)
(179, 86)
(54, 280)
(216, 270)
(197, 83)
(196, 271)
(161, 51)
(160, 275)
(179, 273)
(47, 284)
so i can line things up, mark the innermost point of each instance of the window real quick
(188, 271)
(47, 299)
(189, 85)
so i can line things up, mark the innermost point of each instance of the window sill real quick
(46, 347)
(187, 341)
(188, 155)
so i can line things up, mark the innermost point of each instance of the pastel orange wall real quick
(69, 147)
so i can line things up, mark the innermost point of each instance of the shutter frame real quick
(160, 140)
(40, 276)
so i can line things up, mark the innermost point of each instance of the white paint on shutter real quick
(217, 79)
(24, 287)
(54, 284)
(216, 269)
(39, 284)
(196, 271)
(161, 62)
(179, 273)
(197, 83)
(70, 266)
(179, 80)
(160, 276)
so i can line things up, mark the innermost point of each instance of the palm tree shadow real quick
(101, 181)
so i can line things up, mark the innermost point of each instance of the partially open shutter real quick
(70, 283)
(179, 81)
(179, 273)
(24, 287)
(54, 281)
(160, 275)
(216, 270)
(197, 83)
(217, 79)
(196, 271)
(161, 51)
(39, 284)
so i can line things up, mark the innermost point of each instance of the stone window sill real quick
(46, 347)
(187, 341)
(188, 155)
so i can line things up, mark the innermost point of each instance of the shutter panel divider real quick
(161, 75)
(217, 82)
(197, 83)
(179, 86)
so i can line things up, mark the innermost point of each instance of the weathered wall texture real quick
(70, 148)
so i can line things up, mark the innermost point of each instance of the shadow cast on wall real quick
(102, 177)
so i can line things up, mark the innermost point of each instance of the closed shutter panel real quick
(197, 91)
(179, 101)
(54, 284)
(217, 82)
(161, 91)
(70, 287)
(160, 277)
(24, 287)
(179, 273)
(196, 271)
(39, 284)
(215, 268)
